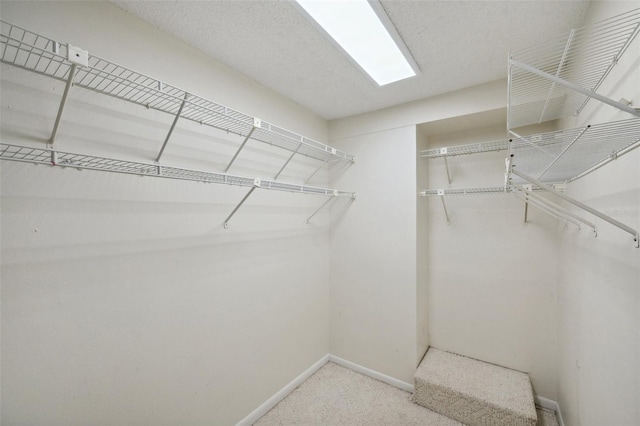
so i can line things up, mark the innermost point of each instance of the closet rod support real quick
(256, 184)
(256, 123)
(65, 96)
(577, 203)
(173, 126)
(576, 88)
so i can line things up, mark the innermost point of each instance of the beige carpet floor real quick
(335, 395)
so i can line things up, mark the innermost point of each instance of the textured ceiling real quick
(456, 44)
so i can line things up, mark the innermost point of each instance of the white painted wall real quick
(373, 255)
(492, 277)
(123, 298)
(422, 250)
(599, 289)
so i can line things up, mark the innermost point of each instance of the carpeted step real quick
(474, 392)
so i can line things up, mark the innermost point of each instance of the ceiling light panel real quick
(356, 27)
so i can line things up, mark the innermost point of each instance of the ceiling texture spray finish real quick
(456, 44)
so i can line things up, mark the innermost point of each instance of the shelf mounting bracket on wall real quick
(77, 57)
(256, 184)
(333, 197)
(443, 151)
(173, 125)
(444, 206)
(256, 123)
(293, 154)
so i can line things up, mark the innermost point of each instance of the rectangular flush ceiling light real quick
(359, 30)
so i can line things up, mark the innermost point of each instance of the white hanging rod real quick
(89, 162)
(473, 148)
(30, 51)
(557, 78)
(566, 154)
(626, 228)
(558, 211)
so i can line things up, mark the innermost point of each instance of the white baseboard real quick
(282, 393)
(372, 373)
(550, 405)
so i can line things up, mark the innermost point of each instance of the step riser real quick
(464, 409)
(474, 392)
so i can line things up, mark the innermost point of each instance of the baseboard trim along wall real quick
(550, 405)
(372, 373)
(282, 393)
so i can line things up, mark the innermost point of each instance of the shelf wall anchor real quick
(173, 126)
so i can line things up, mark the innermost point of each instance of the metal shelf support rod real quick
(576, 88)
(226, 221)
(314, 172)
(446, 166)
(293, 154)
(564, 151)
(628, 229)
(244, 142)
(65, 96)
(173, 125)
(444, 206)
(320, 208)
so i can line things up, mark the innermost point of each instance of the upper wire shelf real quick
(90, 162)
(30, 51)
(565, 155)
(473, 148)
(541, 78)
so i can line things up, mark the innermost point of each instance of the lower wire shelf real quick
(89, 162)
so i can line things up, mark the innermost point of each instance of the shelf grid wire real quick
(33, 52)
(89, 162)
(473, 148)
(573, 151)
(584, 57)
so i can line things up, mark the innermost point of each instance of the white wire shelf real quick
(89, 162)
(568, 154)
(30, 51)
(538, 75)
(473, 148)
(463, 191)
